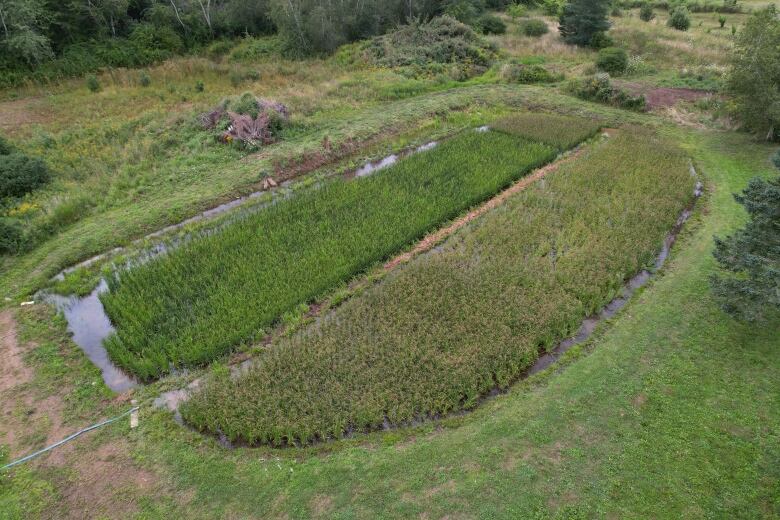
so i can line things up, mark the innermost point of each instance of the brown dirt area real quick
(19, 113)
(93, 479)
(663, 97)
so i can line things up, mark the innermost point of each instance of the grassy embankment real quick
(449, 327)
(207, 296)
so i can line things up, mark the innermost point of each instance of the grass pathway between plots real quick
(675, 413)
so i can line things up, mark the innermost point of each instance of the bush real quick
(534, 27)
(601, 40)
(164, 40)
(5, 147)
(776, 159)
(613, 60)
(520, 73)
(419, 45)
(491, 24)
(646, 12)
(92, 83)
(722, 21)
(11, 235)
(20, 174)
(200, 86)
(517, 10)
(679, 19)
(552, 7)
(144, 80)
(599, 88)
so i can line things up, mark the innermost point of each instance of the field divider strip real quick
(438, 236)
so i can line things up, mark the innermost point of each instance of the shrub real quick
(599, 88)
(491, 24)
(20, 174)
(679, 19)
(443, 40)
(144, 79)
(776, 159)
(534, 27)
(552, 7)
(722, 21)
(200, 86)
(521, 73)
(11, 235)
(601, 40)
(5, 147)
(516, 11)
(646, 12)
(613, 60)
(219, 48)
(93, 84)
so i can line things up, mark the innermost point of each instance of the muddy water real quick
(89, 325)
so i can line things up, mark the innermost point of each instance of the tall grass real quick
(436, 335)
(559, 131)
(203, 299)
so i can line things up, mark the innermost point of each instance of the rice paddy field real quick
(455, 324)
(355, 347)
(183, 308)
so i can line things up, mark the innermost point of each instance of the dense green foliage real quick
(601, 89)
(613, 60)
(425, 47)
(523, 73)
(562, 132)
(754, 79)
(205, 297)
(679, 18)
(749, 286)
(646, 12)
(449, 327)
(581, 20)
(20, 174)
(491, 24)
(534, 27)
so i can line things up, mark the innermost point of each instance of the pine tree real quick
(583, 19)
(749, 286)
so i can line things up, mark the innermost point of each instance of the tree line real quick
(33, 32)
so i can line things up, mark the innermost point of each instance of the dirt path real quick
(13, 371)
(438, 236)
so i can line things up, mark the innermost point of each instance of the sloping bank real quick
(209, 295)
(453, 325)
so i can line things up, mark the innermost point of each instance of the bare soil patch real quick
(13, 371)
(663, 97)
(19, 113)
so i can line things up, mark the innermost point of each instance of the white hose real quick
(67, 439)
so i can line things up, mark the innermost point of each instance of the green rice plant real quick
(203, 299)
(562, 132)
(449, 327)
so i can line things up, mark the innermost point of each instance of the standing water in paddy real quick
(88, 323)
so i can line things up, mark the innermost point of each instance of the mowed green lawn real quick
(674, 414)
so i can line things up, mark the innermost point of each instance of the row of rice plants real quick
(562, 132)
(201, 300)
(450, 326)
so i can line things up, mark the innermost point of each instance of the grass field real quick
(205, 297)
(451, 326)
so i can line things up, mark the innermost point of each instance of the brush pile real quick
(248, 120)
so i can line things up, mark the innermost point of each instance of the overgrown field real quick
(442, 332)
(562, 132)
(204, 298)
